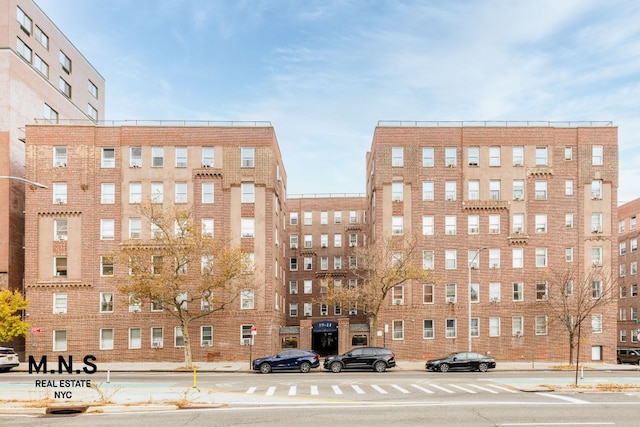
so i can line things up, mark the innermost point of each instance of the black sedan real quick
(461, 361)
(303, 360)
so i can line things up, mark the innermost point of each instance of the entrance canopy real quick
(326, 326)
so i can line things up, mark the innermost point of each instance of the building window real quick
(494, 258)
(135, 338)
(247, 155)
(106, 302)
(50, 114)
(59, 340)
(541, 156)
(60, 157)
(427, 190)
(25, 51)
(397, 156)
(107, 193)
(541, 190)
(25, 22)
(450, 157)
(474, 288)
(450, 192)
(494, 292)
(106, 266)
(337, 262)
(397, 194)
(517, 326)
(64, 87)
(518, 223)
(596, 256)
(293, 264)
(308, 241)
(60, 229)
(337, 217)
(568, 153)
(248, 190)
(353, 240)
(428, 331)
(92, 112)
(207, 227)
(181, 192)
(473, 156)
(541, 257)
(427, 260)
(623, 335)
(293, 310)
(494, 189)
(178, 337)
(568, 254)
(450, 259)
(324, 217)
(518, 189)
(308, 218)
(60, 193)
(157, 338)
(494, 224)
(427, 294)
(59, 303)
(596, 189)
(518, 291)
(451, 328)
(106, 339)
(397, 223)
(398, 329)
(135, 228)
(494, 156)
(596, 323)
(93, 89)
(308, 263)
(450, 224)
(293, 218)
(156, 264)
(451, 293)
(518, 156)
(474, 189)
(207, 192)
(60, 266)
(427, 225)
(541, 223)
(353, 262)
(473, 224)
(475, 327)
(157, 157)
(427, 157)
(568, 188)
(568, 220)
(307, 309)
(353, 217)
(65, 61)
(206, 336)
(541, 291)
(596, 289)
(494, 326)
(181, 157)
(107, 229)
(246, 299)
(517, 255)
(597, 155)
(397, 295)
(207, 157)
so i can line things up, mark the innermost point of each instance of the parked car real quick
(8, 359)
(303, 360)
(461, 361)
(629, 355)
(376, 358)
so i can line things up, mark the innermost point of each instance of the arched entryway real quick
(325, 337)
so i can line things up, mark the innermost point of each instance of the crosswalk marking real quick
(482, 388)
(378, 389)
(314, 390)
(357, 389)
(400, 389)
(463, 389)
(446, 390)
(501, 388)
(426, 390)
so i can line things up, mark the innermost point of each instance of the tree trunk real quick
(188, 361)
(373, 334)
(572, 346)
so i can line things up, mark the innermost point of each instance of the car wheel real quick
(336, 367)
(619, 362)
(379, 366)
(305, 367)
(444, 367)
(483, 367)
(265, 368)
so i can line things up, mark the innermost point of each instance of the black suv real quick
(629, 355)
(376, 358)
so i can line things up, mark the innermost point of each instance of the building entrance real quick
(325, 338)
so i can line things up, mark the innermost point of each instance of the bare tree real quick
(381, 266)
(572, 299)
(182, 269)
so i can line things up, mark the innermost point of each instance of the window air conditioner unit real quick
(206, 343)
(59, 201)
(518, 230)
(206, 165)
(156, 345)
(494, 265)
(451, 232)
(60, 311)
(294, 246)
(473, 230)
(451, 300)
(449, 198)
(324, 245)
(136, 166)
(397, 301)
(517, 198)
(61, 238)
(134, 309)
(517, 334)
(246, 341)
(597, 264)
(517, 164)
(494, 299)
(450, 165)
(61, 165)
(597, 230)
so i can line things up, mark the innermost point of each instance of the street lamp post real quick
(37, 184)
(469, 292)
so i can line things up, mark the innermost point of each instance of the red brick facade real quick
(628, 258)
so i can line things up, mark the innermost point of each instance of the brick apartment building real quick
(628, 257)
(233, 179)
(42, 76)
(515, 202)
(497, 209)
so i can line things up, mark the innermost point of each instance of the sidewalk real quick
(111, 391)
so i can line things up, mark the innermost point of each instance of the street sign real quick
(254, 330)
(36, 330)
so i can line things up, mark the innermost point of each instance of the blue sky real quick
(324, 72)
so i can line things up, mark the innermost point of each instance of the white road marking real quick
(400, 389)
(378, 389)
(565, 398)
(292, 390)
(426, 390)
(441, 388)
(357, 389)
(270, 391)
(251, 390)
(482, 388)
(501, 388)
(463, 389)
(314, 390)
(336, 389)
